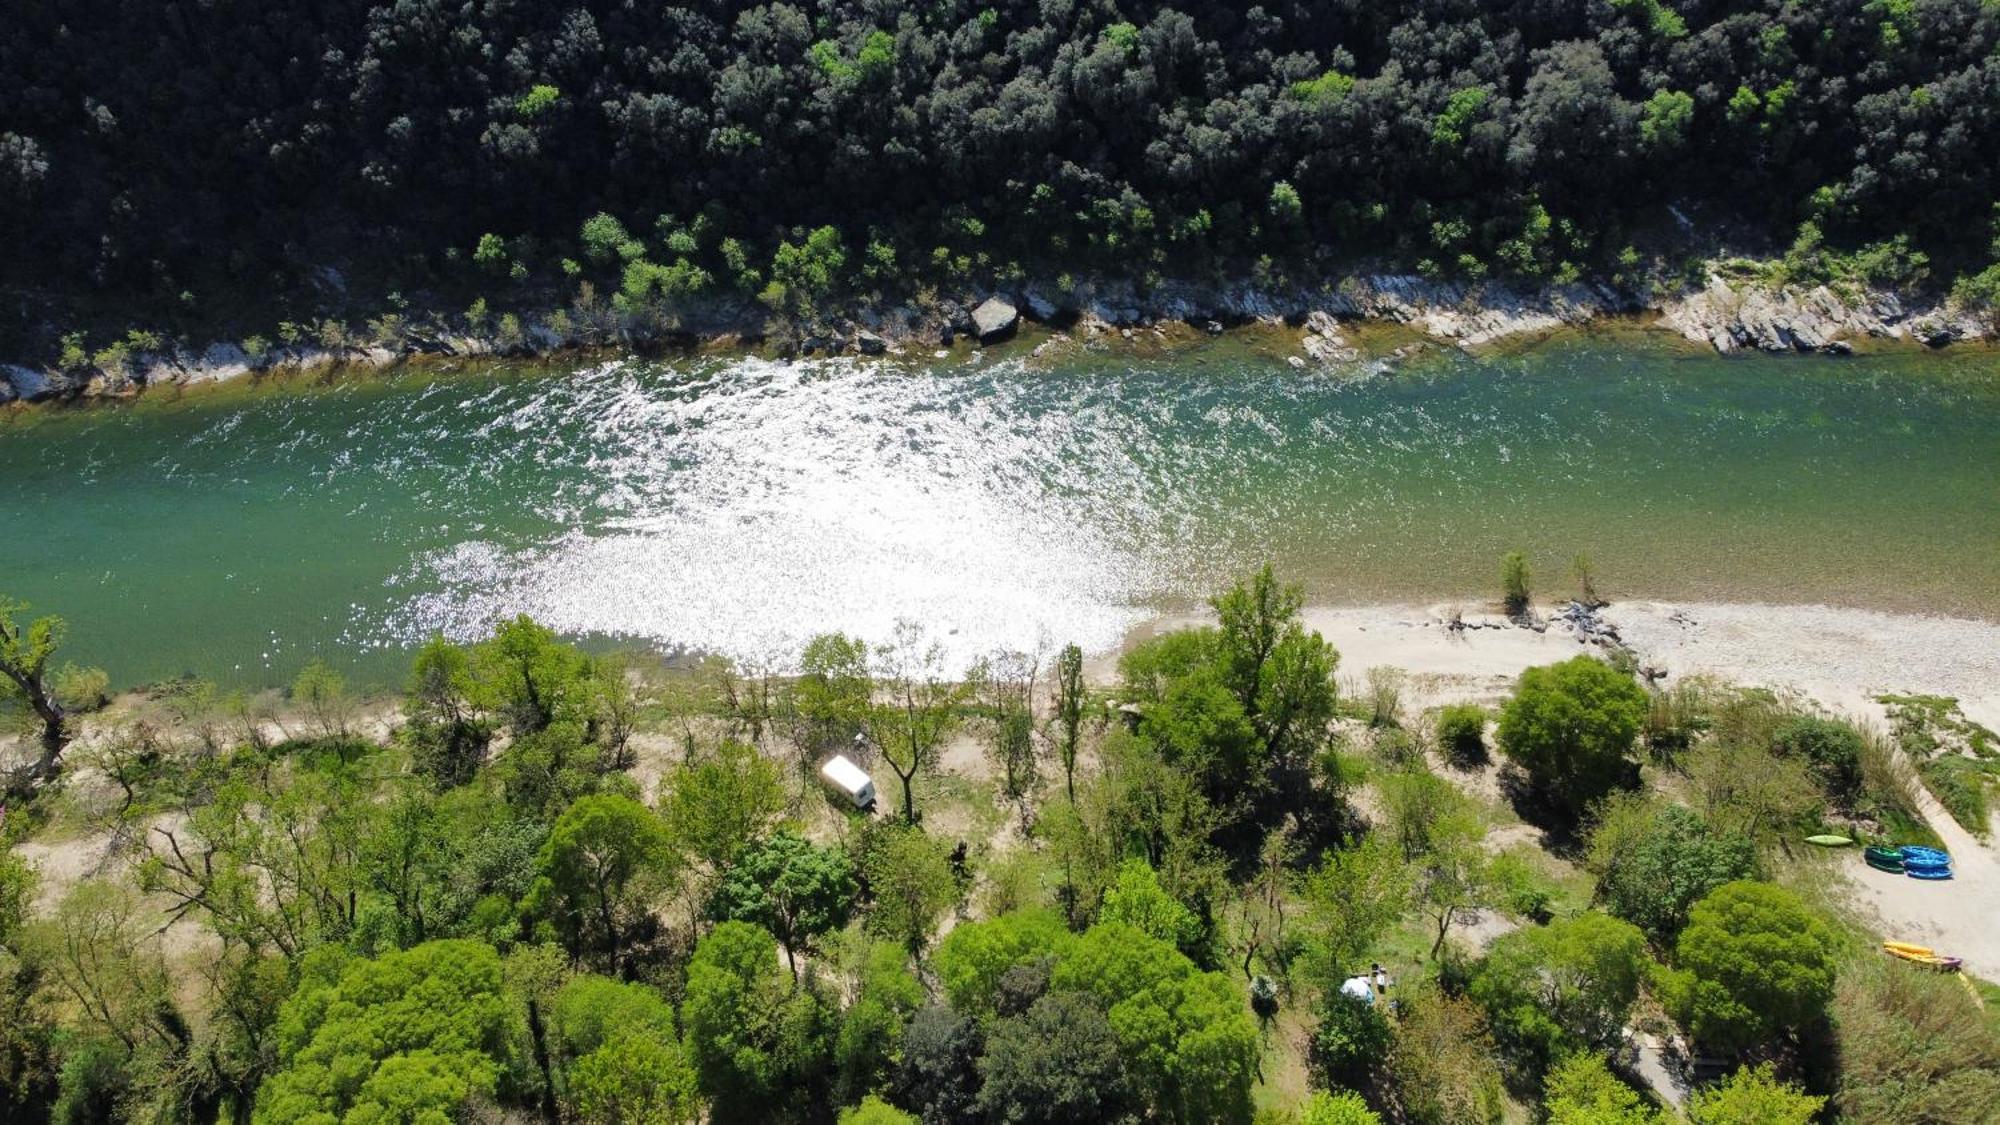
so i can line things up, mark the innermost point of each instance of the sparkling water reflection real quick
(741, 505)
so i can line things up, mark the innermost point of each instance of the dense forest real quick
(550, 885)
(185, 157)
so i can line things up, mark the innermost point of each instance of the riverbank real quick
(1730, 312)
(1838, 657)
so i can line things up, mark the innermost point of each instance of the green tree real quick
(1351, 900)
(635, 1080)
(323, 693)
(1069, 700)
(1753, 1096)
(1571, 726)
(910, 884)
(491, 253)
(1057, 1062)
(939, 1076)
(408, 1036)
(718, 805)
(1514, 579)
(590, 1011)
(1561, 988)
(533, 678)
(605, 859)
(1187, 1036)
(1664, 122)
(604, 238)
(24, 673)
(760, 1043)
(972, 958)
(921, 709)
(1654, 861)
(1137, 900)
(1343, 1108)
(789, 886)
(1753, 964)
(811, 269)
(1441, 1064)
(1286, 209)
(1350, 1040)
(446, 732)
(830, 697)
(1581, 1090)
(1280, 673)
(869, 1047)
(875, 1111)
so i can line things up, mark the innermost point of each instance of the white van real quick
(849, 780)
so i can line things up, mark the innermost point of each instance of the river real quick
(740, 505)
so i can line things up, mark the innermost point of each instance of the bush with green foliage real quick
(1754, 964)
(1554, 990)
(1655, 860)
(1571, 727)
(1912, 1045)
(875, 1111)
(760, 1041)
(1581, 1090)
(1514, 581)
(1350, 1039)
(605, 859)
(791, 887)
(1753, 1096)
(1461, 733)
(1833, 748)
(1343, 1108)
(413, 1035)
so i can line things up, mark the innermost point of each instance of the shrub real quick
(1581, 1090)
(1834, 749)
(1343, 1108)
(1753, 964)
(1913, 1047)
(1551, 990)
(1461, 733)
(1571, 726)
(1349, 1042)
(1753, 1096)
(1655, 861)
(1960, 786)
(1514, 579)
(81, 689)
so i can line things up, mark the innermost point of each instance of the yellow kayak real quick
(1920, 955)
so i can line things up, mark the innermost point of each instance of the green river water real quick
(741, 505)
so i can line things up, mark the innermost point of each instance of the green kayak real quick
(1829, 841)
(1884, 858)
